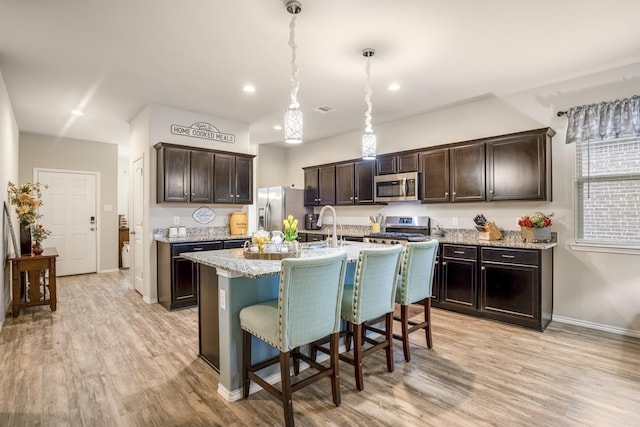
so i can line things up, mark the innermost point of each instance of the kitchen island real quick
(228, 283)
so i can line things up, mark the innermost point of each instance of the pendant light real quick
(293, 115)
(368, 138)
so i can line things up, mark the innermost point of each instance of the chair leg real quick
(246, 362)
(404, 321)
(296, 360)
(286, 388)
(389, 340)
(357, 355)
(335, 377)
(427, 318)
(347, 337)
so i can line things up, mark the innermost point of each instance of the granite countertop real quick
(233, 260)
(201, 238)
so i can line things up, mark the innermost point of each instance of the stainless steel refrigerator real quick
(276, 203)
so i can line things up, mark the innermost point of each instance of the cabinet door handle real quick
(185, 193)
(444, 263)
(350, 198)
(356, 198)
(446, 194)
(193, 194)
(454, 193)
(459, 252)
(508, 256)
(482, 268)
(490, 191)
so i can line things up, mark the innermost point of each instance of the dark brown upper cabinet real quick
(354, 182)
(397, 163)
(434, 167)
(453, 174)
(467, 168)
(320, 185)
(519, 166)
(233, 178)
(184, 175)
(196, 175)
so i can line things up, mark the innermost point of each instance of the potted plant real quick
(535, 227)
(39, 234)
(291, 234)
(27, 198)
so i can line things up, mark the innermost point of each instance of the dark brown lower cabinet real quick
(459, 287)
(516, 286)
(506, 284)
(177, 276)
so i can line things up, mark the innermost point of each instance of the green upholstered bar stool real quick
(372, 296)
(415, 284)
(307, 309)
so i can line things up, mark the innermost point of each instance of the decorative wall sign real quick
(203, 130)
(204, 215)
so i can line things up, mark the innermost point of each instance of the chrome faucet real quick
(334, 238)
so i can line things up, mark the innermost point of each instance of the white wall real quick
(597, 289)
(123, 186)
(44, 151)
(153, 125)
(8, 172)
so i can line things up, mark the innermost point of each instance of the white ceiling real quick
(112, 58)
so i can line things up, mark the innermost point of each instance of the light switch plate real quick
(176, 220)
(454, 220)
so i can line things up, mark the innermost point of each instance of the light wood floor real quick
(107, 358)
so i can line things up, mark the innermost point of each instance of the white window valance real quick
(606, 120)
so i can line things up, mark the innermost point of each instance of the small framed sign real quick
(204, 215)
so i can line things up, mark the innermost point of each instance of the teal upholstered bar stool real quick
(307, 309)
(415, 284)
(372, 296)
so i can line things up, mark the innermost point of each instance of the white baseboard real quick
(598, 326)
(111, 270)
(150, 300)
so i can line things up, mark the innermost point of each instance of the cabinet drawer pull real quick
(198, 249)
(508, 256)
(459, 252)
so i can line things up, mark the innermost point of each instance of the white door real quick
(136, 221)
(69, 212)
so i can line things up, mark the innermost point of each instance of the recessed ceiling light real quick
(394, 86)
(249, 88)
(77, 113)
(277, 127)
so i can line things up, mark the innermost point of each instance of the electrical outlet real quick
(223, 299)
(176, 220)
(454, 220)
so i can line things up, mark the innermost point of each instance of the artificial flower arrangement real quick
(536, 220)
(39, 233)
(290, 228)
(27, 198)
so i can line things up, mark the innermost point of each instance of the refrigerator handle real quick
(267, 217)
(261, 218)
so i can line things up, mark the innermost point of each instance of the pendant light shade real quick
(369, 138)
(293, 115)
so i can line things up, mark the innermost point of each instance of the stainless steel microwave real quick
(397, 187)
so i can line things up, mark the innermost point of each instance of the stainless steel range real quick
(401, 229)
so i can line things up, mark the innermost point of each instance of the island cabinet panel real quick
(208, 317)
(434, 169)
(467, 163)
(320, 185)
(354, 183)
(177, 276)
(519, 166)
(459, 278)
(516, 287)
(233, 179)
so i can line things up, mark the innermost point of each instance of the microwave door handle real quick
(404, 187)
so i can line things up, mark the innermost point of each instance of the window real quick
(608, 192)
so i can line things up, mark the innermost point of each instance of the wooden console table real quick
(31, 285)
